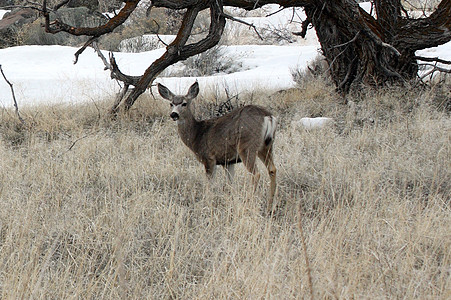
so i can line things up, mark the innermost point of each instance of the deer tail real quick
(269, 129)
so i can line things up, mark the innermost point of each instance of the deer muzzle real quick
(174, 116)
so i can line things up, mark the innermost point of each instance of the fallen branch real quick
(433, 59)
(434, 69)
(14, 96)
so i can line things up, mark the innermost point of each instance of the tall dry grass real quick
(92, 208)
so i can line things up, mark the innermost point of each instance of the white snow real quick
(442, 52)
(312, 123)
(46, 74)
(2, 12)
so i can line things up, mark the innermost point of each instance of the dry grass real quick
(97, 209)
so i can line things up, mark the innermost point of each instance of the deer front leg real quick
(210, 168)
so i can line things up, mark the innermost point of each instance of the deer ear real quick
(193, 91)
(165, 92)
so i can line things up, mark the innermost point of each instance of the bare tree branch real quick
(179, 50)
(243, 22)
(434, 69)
(14, 96)
(113, 67)
(80, 51)
(304, 27)
(158, 35)
(58, 26)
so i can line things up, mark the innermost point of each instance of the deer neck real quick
(188, 129)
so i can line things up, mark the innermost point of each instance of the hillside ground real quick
(94, 208)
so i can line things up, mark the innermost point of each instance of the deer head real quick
(180, 104)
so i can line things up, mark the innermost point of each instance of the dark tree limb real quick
(82, 49)
(433, 59)
(58, 26)
(114, 68)
(179, 50)
(304, 27)
(417, 34)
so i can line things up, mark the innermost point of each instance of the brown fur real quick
(239, 136)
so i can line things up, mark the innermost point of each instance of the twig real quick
(307, 262)
(242, 22)
(292, 16)
(255, 4)
(434, 69)
(100, 54)
(14, 96)
(113, 67)
(158, 36)
(386, 45)
(73, 144)
(437, 68)
(275, 12)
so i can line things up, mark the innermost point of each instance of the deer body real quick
(240, 136)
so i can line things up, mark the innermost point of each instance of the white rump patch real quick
(269, 127)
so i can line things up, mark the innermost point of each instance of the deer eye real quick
(184, 104)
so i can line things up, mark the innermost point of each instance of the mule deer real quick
(239, 136)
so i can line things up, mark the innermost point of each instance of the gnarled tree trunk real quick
(362, 49)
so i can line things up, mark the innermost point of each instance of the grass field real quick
(93, 208)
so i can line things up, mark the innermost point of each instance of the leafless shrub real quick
(318, 69)
(279, 34)
(219, 106)
(211, 62)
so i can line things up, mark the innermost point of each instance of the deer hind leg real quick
(266, 156)
(248, 158)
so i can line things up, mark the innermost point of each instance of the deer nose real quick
(174, 116)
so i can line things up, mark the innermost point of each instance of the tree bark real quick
(362, 49)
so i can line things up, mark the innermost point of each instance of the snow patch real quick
(3, 12)
(312, 123)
